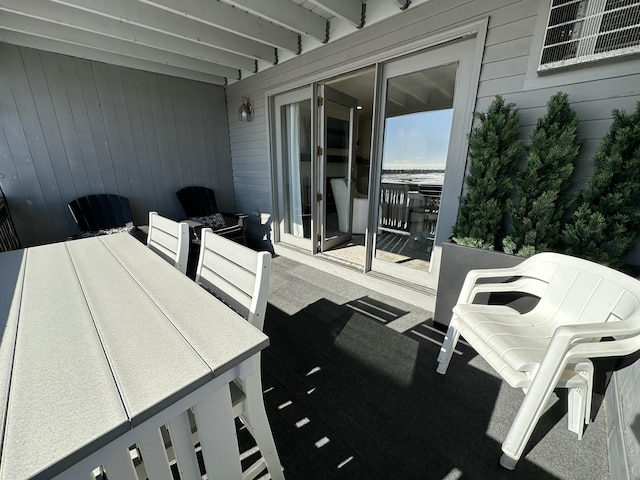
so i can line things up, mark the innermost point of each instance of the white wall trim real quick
(476, 28)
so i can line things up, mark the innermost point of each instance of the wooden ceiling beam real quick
(66, 16)
(79, 51)
(178, 26)
(289, 15)
(349, 10)
(44, 29)
(233, 20)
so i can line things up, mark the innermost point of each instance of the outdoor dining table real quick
(103, 342)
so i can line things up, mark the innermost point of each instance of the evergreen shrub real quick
(494, 150)
(541, 188)
(606, 222)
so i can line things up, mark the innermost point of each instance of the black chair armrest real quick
(241, 219)
(234, 232)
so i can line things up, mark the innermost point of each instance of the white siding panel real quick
(594, 129)
(588, 91)
(501, 86)
(504, 68)
(508, 32)
(502, 13)
(502, 51)
(587, 130)
(603, 108)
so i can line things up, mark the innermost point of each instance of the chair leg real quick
(586, 370)
(448, 345)
(578, 380)
(577, 389)
(255, 418)
(529, 413)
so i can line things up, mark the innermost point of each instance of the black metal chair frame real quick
(200, 201)
(103, 211)
(8, 236)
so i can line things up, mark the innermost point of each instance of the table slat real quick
(152, 362)
(11, 278)
(103, 341)
(222, 338)
(63, 401)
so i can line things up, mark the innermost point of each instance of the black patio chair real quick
(8, 236)
(200, 206)
(101, 214)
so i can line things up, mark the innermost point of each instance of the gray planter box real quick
(456, 261)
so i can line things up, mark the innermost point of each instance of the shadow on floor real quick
(348, 397)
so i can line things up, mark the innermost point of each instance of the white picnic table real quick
(102, 343)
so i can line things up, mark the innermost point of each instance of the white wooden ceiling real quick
(216, 41)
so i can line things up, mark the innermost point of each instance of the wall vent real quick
(581, 31)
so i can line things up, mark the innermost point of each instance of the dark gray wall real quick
(70, 127)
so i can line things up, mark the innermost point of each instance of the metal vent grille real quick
(585, 30)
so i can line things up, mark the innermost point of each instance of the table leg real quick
(119, 465)
(216, 428)
(183, 446)
(154, 455)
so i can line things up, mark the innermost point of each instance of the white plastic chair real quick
(169, 239)
(580, 304)
(240, 276)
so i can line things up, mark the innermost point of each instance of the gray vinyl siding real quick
(70, 127)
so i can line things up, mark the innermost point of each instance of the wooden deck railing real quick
(403, 210)
(8, 237)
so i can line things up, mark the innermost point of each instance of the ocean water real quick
(418, 178)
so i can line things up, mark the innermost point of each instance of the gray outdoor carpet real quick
(351, 391)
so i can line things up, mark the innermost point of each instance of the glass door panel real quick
(423, 103)
(417, 127)
(337, 134)
(294, 161)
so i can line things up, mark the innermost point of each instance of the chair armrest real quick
(242, 219)
(571, 343)
(141, 233)
(471, 280)
(589, 331)
(531, 286)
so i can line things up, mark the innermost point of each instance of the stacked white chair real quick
(239, 277)
(580, 304)
(169, 239)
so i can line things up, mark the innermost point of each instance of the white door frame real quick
(474, 35)
(276, 103)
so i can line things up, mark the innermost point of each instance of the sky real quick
(417, 141)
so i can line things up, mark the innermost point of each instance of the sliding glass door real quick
(402, 144)
(423, 103)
